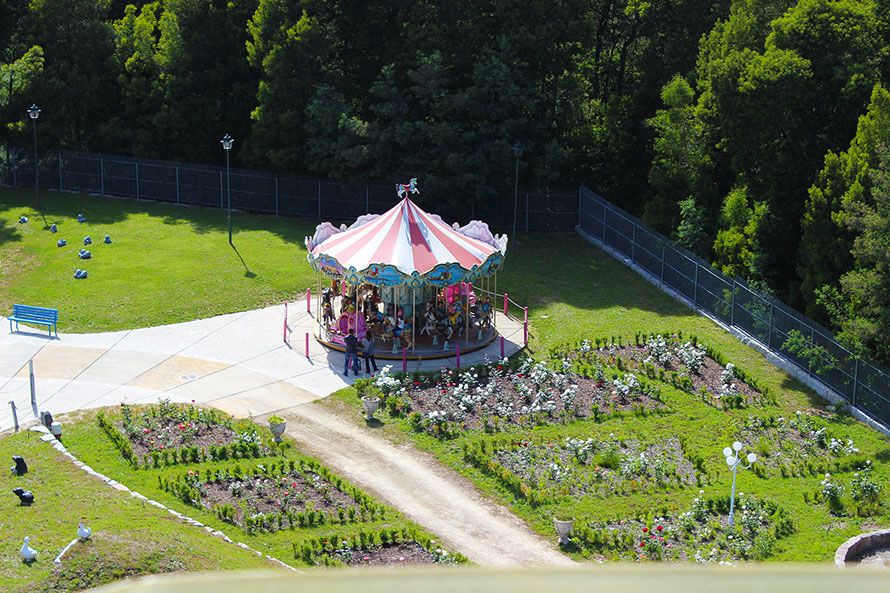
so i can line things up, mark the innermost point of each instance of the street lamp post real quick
(34, 113)
(734, 460)
(227, 142)
(517, 152)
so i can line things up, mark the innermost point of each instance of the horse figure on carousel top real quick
(403, 189)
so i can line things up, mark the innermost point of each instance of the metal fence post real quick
(812, 342)
(580, 204)
(855, 380)
(604, 223)
(137, 180)
(633, 244)
(319, 200)
(526, 212)
(102, 176)
(276, 196)
(60, 171)
(662, 262)
(769, 341)
(732, 305)
(177, 185)
(695, 290)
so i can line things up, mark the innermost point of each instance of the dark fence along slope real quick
(730, 300)
(256, 191)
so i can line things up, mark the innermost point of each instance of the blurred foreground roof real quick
(772, 578)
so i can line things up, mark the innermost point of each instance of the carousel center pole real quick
(413, 318)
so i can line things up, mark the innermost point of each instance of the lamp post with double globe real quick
(34, 113)
(227, 142)
(734, 460)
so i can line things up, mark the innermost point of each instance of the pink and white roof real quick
(407, 238)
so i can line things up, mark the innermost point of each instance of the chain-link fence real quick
(254, 191)
(778, 327)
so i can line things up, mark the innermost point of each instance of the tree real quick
(827, 241)
(690, 232)
(293, 52)
(16, 80)
(738, 246)
(682, 165)
(860, 305)
(77, 91)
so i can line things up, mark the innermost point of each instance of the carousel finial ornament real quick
(404, 189)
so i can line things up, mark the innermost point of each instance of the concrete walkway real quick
(239, 364)
(236, 362)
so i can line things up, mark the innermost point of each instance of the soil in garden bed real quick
(558, 466)
(295, 492)
(177, 435)
(709, 376)
(517, 400)
(406, 553)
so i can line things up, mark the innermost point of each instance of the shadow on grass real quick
(109, 210)
(562, 268)
(247, 272)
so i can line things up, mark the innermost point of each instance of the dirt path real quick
(421, 488)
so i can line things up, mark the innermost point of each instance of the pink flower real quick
(146, 430)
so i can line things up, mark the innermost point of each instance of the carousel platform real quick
(426, 348)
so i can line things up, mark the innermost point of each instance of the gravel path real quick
(422, 489)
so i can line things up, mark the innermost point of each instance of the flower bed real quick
(388, 547)
(173, 434)
(702, 534)
(686, 364)
(496, 395)
(271, 497)
(797, 446)
(586, 467)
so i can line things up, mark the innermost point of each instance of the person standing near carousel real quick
(351, 354)
(368, 353)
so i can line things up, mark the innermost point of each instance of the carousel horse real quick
(429, 323)
(444, 328)
(456, 318)
(408, 336)
(379, 326)
(403, 189)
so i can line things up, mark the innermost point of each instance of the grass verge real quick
(130, 538)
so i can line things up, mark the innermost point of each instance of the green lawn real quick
(166, 264)
(704, 430)
(130, 538)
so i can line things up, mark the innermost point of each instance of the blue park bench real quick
(35, 315)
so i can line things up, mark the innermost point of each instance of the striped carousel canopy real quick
(406, 246)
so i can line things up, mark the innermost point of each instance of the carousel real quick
(422, 288)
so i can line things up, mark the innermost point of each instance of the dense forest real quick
(755, 132)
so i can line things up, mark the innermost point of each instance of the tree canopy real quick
(750, 130)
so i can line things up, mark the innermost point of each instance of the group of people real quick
(352, 343)
(362, 321)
